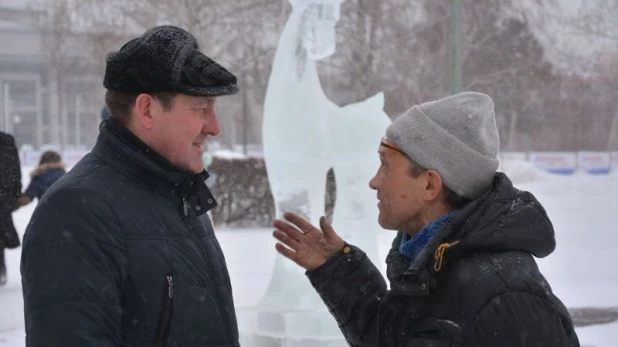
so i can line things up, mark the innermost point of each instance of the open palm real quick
(307, 245)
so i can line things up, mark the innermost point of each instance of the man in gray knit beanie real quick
(461, 268)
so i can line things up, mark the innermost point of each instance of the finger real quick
(288, 229)
(300, 222)
(286, 252)
(327, 229)
(286, 239)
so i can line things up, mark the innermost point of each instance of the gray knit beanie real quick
(456, 136)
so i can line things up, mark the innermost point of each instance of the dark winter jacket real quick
(42, 178)
(120, 252)
(476, 283)
(10, 189)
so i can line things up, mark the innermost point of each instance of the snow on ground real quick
(599, 335)
(582, 270)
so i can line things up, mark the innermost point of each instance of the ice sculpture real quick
(296, 112)
(304, 135)
(354, 135)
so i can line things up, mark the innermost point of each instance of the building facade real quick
(40, 104)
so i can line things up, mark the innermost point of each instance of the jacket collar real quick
(126, 153)
(504, 218)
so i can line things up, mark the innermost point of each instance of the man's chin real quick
(383, 223)
(386, 225)
(197, 169)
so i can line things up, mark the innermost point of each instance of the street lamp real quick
(456, 46)
(7, 121)
(78, 107)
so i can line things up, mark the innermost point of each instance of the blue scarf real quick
(412, 246)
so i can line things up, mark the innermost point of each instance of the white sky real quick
(13, 3)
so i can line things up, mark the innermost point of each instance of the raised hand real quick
(307, 246)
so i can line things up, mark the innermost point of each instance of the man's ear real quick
(145, 108)
(433, 185)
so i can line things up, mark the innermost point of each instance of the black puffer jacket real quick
(10, 189)
(120, 252)
(475, 284)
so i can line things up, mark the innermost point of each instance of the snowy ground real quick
(582, 270)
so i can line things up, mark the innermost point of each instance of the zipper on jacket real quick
(170, 287)
(165, 317)
(185, 206)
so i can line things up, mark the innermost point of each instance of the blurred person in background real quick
(49, 170)
(10, 188)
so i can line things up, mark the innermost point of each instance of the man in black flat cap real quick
(120, 251)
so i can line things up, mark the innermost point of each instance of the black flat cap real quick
(166, 59)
